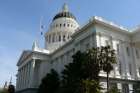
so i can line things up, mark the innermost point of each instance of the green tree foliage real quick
(107, 59)
(11, 89)
(81, 75)
(90, 86)
(73, 74)
(50, 83)
(137, 87)
(3, 91)
(113, 90)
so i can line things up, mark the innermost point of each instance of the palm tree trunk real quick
(107, 81)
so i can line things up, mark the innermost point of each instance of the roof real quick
(64, 13)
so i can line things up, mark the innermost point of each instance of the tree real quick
(73, 74)
(3, 91)
(11, 89)
(50, 83)
(113, 90)
(92, 64)
(91, 86)
(107, 60)
(137, 87)
(83, 73)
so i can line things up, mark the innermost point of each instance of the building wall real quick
(98, 35)
(93, 35)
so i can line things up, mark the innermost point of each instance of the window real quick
(68, 25)
(49, 38)
(120, 67)
(125, 88)
(59, 37)
(130, 69)
(113, 85)
(137, 53)
(53, 38)
(56, 25)
(106, 42)
(64, 25)
(64, 38)
(68, 36)
(60, 25)
(87, 46)
(128, 51)
(118, 48)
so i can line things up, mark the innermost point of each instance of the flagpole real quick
(41, 30)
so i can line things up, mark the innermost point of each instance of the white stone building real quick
(65, 37)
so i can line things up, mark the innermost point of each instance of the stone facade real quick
(34, 64)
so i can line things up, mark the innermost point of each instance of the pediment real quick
(25, 54)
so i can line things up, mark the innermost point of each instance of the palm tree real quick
(107, 60)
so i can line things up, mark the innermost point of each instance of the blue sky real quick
(20, 19)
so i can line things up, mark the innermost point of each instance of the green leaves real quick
(90, 86)
(81, 75)
(50, 83)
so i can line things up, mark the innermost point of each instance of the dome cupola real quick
(62, 27)
(65, 13)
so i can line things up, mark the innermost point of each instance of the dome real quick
(64, 24)
(64, 13)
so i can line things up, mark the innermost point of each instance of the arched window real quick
(64, 25)
(60, 25)
(68, 25)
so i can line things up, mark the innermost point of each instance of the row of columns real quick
(25, 75)
(58, 37)
(122, 57)
(122, 87)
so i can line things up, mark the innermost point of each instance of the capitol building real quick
(65, 36)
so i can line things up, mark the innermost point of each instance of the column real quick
(135, 66)
(122, 58)
(32, 73)
(119, 86)
(28, 74)
(19, 83)
(130, 88)
(127, 71)
(23, 76)
(18, 80)
(91, 40)
(98, 40)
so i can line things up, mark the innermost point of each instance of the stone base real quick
(28, 90)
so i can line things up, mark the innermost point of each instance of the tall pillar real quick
(130, 88)
(119, 86)
(24, 78)
(122, 58)
(32, 68)
(28, 75)
(19, 83)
